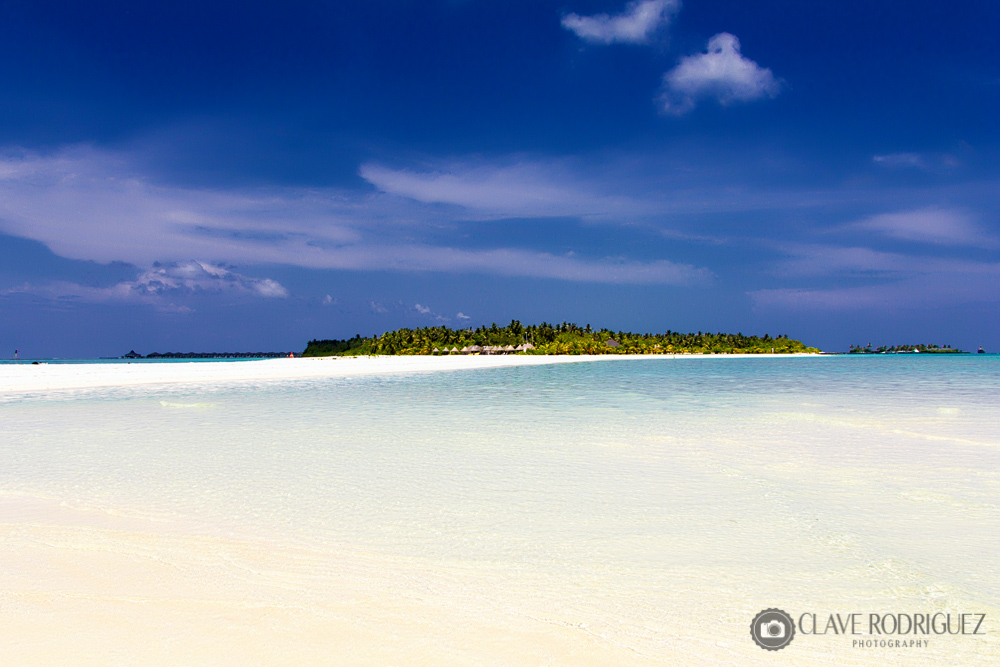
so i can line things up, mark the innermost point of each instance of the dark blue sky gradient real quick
(357, 166)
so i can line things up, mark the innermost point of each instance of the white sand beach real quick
(26, 377)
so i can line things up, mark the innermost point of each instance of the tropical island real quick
(544, 338)
(905, 349)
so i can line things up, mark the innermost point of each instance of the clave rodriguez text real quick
(893, 624)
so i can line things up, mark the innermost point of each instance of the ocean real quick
(613, 512)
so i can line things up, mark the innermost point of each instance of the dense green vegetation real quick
(205, 355)
(562, 338)
(333, 348)
(896, 349)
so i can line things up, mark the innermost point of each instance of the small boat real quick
(981, 350)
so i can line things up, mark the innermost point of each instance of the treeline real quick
(208, 355)
(565, 338)
(897, 349)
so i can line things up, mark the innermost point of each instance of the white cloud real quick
(897, 280)
(852, 298)
(193, 276)
(619, 189)
(515, 262)
(903, 280)
(827, 260)
(159, 285)
(900, 160)
(86, 204)
(535, 189)
(926, 162)
(89, 205)
(930, 225)
(270, 288)
(424, 310)
(463, 316)
(69, 291)
(635, 25)
(722, 72)
(980, 285)
(327, 300)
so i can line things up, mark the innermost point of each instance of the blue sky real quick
(247, 176)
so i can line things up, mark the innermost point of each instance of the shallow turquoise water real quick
(617, 487)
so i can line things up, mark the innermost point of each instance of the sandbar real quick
(30, 378)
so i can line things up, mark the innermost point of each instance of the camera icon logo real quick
(772, 629)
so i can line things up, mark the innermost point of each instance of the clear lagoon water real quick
(580, 513)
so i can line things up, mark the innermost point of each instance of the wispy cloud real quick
(895, 280)
(806, 260)
(89, 205)
(900, 160)
(92, 205)
(426, 310)
(86, 204)
(636, 25)
(60, 290)
(722, 73)
(515, 262)
(826, 260)
(622, 189)
(930, 225)
(978, 286)
(528, 188)
(923, 161)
